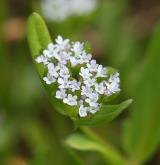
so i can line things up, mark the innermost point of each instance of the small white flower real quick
(70, 100)
(82, 111)
(77, 48)
(63, 83)
(100, 88)
(48, 54)
(73, 61)
(113, 84)
(80, 7)
(52, 70)
(59, 10)
(114, 78)
(85, 73)
(51, 51)
(64, 72)
(62, 57)
(90, 82)
(61, 94)
(85, 58)
(112, 88)
(86, 90)
(49, 79)
(51, 47)
(101, 71)
(92, 100)
(42, 59)
(62, 44)
(74, 85)
(92, 66)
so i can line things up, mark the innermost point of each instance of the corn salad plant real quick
(77, 86)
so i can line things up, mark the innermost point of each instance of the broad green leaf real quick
(142, 131)
(84, 143)
(38, 38)
(38, 35)
(105, 114)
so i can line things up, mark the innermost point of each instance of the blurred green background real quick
(124, 34)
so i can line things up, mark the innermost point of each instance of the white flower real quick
(52, 70)
(90, 82)
(80, 7)
(85, 73)
(74, 85)
(83, 111)
(77, 48)
(112, 88)
(62, 44)
(86, 90)
(92, 100)
(63, 83)
(114, 78)
(113, 84)
(80, 58)
(62, 57)
(50, 52)
(61, 94)
(101, 71)
(59, 10)
(70, 100)
(92, 66)
(49, 79)
(100, 88)
(85, 58)
(42, 59)
(73, 61)
(64, 72)
(51, 47)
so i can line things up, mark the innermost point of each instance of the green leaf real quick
(38, 35)
(38, 38)
(84, 143)
(105, 114)
(142, 131)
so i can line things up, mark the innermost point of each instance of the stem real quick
(110, 154)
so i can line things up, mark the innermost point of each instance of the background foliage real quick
(124, 34)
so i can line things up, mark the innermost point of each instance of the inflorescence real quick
(88, 86)
(59, 10)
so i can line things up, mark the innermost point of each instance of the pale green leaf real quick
(38, 38)
(84, 143)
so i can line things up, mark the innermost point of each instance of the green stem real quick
(110, 154)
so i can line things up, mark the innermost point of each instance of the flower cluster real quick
(59, 10)
(84, 90)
